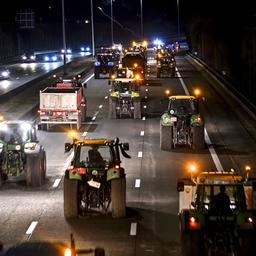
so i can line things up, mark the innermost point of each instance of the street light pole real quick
(93, 46)
(64, 38)
(178, 18)
(112, 31)
(141, 20)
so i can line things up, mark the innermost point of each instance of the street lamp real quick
(112, 32)
(93, 46)
(178, 18)
(141, 19)
(64, 38)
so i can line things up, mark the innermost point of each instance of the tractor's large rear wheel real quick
(118, 197)
(198, 137)
(158, 73)
(137, 110)
(112, 108)
(192, 243)
(71, 199)
(247, 240)
(166, 137)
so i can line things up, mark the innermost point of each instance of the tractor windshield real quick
(212, 196)
(93, 155)
(14, 133)
(182, 106)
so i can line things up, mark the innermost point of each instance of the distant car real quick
(50, 57)
(4, 73)
(26, 57)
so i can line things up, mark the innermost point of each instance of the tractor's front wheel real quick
(166, 137)
(118, 197)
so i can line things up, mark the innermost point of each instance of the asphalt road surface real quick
(151, 226)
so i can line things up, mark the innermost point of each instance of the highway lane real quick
(151, 227)
(21, 73)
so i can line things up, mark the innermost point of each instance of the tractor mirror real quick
(180, 186)
(126, 146)
(85, 85)
(109, 82)
(68, 147)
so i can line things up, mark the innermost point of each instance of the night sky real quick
(127, 10)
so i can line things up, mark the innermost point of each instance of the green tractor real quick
(217, 214)
(182, 124)
(21, 156)
(125, 98)
(95, 181)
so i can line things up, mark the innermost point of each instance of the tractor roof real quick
(182, 97)
(218, 178)
(94, 141)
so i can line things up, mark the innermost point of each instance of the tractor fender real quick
(37, 149)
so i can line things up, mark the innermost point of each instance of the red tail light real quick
(249, 219)
(81, 170)
(193, 222)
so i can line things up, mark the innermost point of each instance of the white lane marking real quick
(31, 227)
(137, 183)
(106, 97)
(143, 118)
(93, 118)
(145, 106)
(89, 78)
(142, 133)
(84, 134)
(182, 83)
(140, 154)
(146, 90)
(133, 230)
(56, 183)
(100, 106)
(146, 97)
(214, 155)
(212, 151)
(17, 78)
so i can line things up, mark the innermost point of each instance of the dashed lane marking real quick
(142, 133)
(100, 106)
(143, 118)
(133, 229)
(137, 183)
(140, 154)
(32, 227)
(56, 183)
(106, 97)
(93, 118)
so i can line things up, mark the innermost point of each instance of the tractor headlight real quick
(95, 172)
(30, 145)
(166, 119)
(18, 147)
